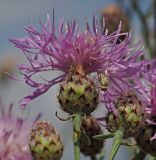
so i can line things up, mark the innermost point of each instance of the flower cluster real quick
(92, 62)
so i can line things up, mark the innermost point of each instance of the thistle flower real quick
(147, 133)
(70, 47)
(14, 136)
(150, 81)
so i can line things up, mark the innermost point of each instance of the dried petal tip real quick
(78, 94)
(45, 143)
(130, 115)
(91, 128)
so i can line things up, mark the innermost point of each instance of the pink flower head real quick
(95, 51)
(149, 83)
(149, 79)
(14, 136)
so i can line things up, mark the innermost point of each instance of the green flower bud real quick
(104, 82)
(45, 143)
(130, 115)
(78, 94)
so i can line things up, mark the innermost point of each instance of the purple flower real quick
(149, 84)
(152, 80)
(96, 52)
(14, 135)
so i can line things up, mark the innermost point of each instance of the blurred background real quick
(139, 16)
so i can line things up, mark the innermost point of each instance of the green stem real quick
(76, 135)
(116, 144)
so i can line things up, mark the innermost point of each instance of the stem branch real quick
(116, 144)
(104, 136)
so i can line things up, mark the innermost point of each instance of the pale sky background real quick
(14, 15)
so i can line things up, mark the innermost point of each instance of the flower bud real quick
(112, 15)
(78, 94)
(130, 115)
(45, 143)
(104, 82)
(91, 128)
